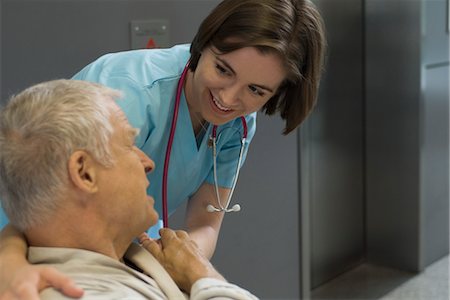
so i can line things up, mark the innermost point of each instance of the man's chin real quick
(152, 221)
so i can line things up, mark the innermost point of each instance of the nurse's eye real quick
(221, 70)
(256, 91)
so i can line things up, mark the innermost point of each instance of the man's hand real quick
(181, 257)
(30, 280)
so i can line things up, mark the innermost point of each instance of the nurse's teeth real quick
(220, 106)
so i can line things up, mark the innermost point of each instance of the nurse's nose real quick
(230, 95)
(146, 161)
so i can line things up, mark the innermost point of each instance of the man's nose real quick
(146, 161)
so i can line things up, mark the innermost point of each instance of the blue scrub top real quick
(148, 79)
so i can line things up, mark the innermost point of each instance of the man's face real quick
(124, 186)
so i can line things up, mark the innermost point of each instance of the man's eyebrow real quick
(132, 132)
(234, 73)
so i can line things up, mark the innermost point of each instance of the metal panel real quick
(435, 166)
(336, 148)
(305, 184)
(435, 35)
(407, 133)
(392, 102)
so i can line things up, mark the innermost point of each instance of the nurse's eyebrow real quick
(234, 73)
(226, 65)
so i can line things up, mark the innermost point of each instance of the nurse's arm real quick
(203, 227)
(19, 279)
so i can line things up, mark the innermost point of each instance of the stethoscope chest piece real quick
(210, 142)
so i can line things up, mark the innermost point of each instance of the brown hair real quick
(292, 29)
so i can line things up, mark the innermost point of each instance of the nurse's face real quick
(226, 86)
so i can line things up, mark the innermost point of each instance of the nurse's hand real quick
(181, 257)
(29, 280)
(19, 279)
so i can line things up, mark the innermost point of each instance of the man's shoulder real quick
(101, 277)
(96, 291)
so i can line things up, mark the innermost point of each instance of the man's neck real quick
(80, 234)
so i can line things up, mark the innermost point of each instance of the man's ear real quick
(83, 171)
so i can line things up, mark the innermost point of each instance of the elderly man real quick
(73, 182)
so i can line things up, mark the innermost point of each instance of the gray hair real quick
(39, 130)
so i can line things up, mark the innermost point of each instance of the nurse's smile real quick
(218, 106)
(226, 86)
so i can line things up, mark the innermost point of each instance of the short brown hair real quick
(292, 29)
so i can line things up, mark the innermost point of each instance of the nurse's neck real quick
(198, 123)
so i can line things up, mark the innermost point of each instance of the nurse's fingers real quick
(143, 237)
(152, 246)
(37, 278)
(61, 282)
(167, 236)
(182, 234)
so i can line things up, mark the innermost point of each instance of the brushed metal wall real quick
(393, 86)
(407, 132)
(336, 148)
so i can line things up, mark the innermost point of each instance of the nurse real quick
(247, 56)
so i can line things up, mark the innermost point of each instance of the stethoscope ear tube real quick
(169, 146)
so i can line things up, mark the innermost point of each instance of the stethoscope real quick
(212, 142)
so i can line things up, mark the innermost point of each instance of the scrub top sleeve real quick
(3, 219)
(228, 153)
(92, 71)
(134, 101)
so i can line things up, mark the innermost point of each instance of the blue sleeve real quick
(3, 219)
(228, 152)
(105, 71)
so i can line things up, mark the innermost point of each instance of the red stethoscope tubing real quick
(170, 142)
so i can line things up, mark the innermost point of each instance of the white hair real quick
(39, 130)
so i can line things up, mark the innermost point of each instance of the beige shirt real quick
(105, 278)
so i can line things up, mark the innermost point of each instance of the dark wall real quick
(47, 39)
